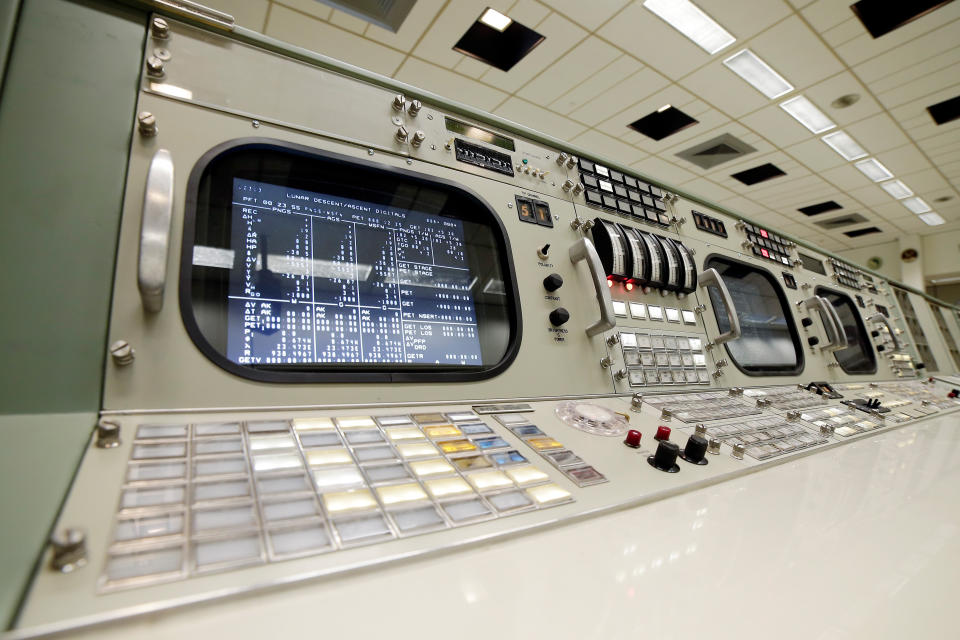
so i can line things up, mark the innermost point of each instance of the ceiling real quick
(606, 63)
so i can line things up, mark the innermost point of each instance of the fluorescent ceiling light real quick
(897, 189)
(663, 108)
(874, 170)
(917, 205)
(807, 114)
(495, 19)
(689, 20)
(932, 219)
(758, 73)
(846, 146)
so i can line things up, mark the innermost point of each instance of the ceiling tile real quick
(436, 44)
(843, 32)
(776, 125)
(653, 41)
(529, 12)
(605, 145)
(416, 22)
(658, 170)
(519, 110)
(877, 133)
(815, 154)
(715, 84)
(304, 31)
(865, 47)
(597, 84)
(743, 19)
(622, 96)
(825, 14)
(248, 13)
(796, 53)
(570, 70)
(348, 22)
(311, 7)
(826, 91)
(589, 15)
(445, 82)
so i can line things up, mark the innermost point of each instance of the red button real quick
(663, 433)
(764, 252)
(764, 233)
(632, 439)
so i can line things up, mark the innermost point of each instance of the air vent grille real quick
(716, 151)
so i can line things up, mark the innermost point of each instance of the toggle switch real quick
(543, 251)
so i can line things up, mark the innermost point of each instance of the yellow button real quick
(444, 487)
(358, 500)
(457, 446)
(428, 418)
(435, 467)
(471, 462)
(442, 431)
(324, 457)
(417, 450)
(489, 480)
(401, 493)
(527, 474)
(544, 443)
(356, 422)
(404, 433)
(548, 494)
(313, 424)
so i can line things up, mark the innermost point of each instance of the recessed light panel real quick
(758, 73)
(883, 16)
(500, 47)
(872, 168)
(759, 174)
(917, 205)
(946, 111)
(689, 20)
(856, 233)
(822, 207)
(663, 122)
(897, 189)
(807, 114)
(842, 221)
(932, 219)
(843, 144)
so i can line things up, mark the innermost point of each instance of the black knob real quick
(813, 341)
(559, 316)
(881, 348)
(665, 458)
(806, 322)
(552, 282)
(875, 333)
(695, 450)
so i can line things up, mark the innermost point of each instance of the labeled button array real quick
(626, 195)
(663, 359)
(570, 464)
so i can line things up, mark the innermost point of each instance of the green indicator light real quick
(525, 161)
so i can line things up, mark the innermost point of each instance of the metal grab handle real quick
(583, 249)
(842, 342)
(155, 231)
(879, 317)
(836, 338)
(711, 278)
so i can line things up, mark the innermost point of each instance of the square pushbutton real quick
(525, 210)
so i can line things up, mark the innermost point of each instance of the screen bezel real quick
(347, 372)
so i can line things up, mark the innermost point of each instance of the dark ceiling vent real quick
(861, 232)
(663, 122)
(716, 151)
(883, 16)
(842, 221)
(501, 48)
(388, 14)
(946, 111)
(759, 174)
(822, 207)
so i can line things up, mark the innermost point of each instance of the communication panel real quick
(385, 329)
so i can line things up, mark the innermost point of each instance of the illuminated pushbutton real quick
(663, 433)
(633, 439)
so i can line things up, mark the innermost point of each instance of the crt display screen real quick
(302, 265)
(326, 279)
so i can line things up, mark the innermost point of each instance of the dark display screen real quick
(326, 279)
(469, 130)
(812, 264)
(858, 356)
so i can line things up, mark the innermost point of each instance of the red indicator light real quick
(765, 253)
(610, 283)
(763, 232)
(628, 286)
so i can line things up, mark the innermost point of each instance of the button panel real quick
(625, 195)
(656, 359)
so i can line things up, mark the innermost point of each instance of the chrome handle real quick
(711, 278)
(583, 249)
(842, 342)
(879, 317)
(155, 231)
(830, 321)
